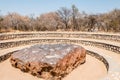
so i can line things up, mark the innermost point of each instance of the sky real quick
(37, 7)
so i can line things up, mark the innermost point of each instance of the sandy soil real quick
(93, 69)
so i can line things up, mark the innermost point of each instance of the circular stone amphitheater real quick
(102, 53)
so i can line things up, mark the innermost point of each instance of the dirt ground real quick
(93, 69)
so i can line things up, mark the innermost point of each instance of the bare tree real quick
(75, 17)
(48, 21)
(91, 22)
(1, 19)
(65, 15)
(64, 18)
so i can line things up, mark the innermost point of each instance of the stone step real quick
(86, 39)
(101, 36)
(112, 46)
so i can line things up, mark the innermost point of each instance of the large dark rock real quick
(49, 61)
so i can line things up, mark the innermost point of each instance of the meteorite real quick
(49, 61)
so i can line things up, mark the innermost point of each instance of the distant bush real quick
(63, 19)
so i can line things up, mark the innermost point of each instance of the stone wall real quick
(106, 46)
(5, 56)
(111, 37)
(99, 57)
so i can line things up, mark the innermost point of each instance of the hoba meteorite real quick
(49, 61)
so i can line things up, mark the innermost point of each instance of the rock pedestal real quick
(49, 61)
